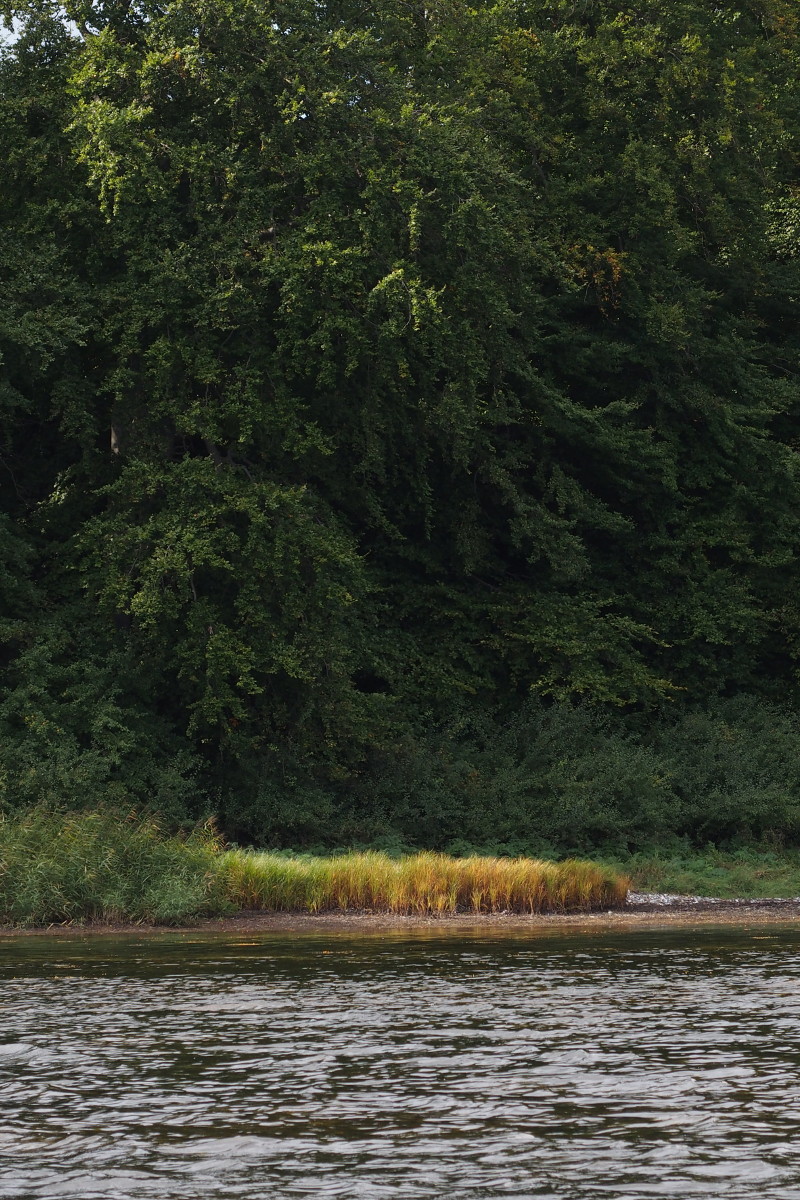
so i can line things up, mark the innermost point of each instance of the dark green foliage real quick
(398, 411)
(564, 778)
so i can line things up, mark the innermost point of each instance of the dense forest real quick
(400, 418)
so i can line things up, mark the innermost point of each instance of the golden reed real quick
(426, 883)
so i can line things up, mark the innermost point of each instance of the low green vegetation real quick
(753, 872)
(59, 867)
(64, 867)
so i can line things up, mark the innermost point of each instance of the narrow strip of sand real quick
(678, 913)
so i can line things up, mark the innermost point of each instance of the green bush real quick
(569, 777)
(72, 736)
(734, 769)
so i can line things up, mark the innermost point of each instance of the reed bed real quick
(425, 883)
(61, 867)
(58, 867)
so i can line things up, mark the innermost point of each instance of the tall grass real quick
(97, 866)
(62, 867)
(420, 883)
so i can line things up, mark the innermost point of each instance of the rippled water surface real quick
(638, 1064)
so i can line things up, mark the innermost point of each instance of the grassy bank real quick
(752, 873)
(94, 866)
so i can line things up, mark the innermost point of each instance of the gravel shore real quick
(659, 901)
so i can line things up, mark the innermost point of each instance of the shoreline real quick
(675, 912)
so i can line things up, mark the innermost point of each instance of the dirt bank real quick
(644, 912)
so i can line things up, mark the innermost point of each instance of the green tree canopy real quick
(365, 366)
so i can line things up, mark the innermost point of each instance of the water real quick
(630, 1064)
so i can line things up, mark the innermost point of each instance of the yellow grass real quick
(421, 883)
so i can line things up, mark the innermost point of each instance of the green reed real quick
(98, 866)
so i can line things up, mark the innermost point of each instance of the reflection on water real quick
(639, 1064)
